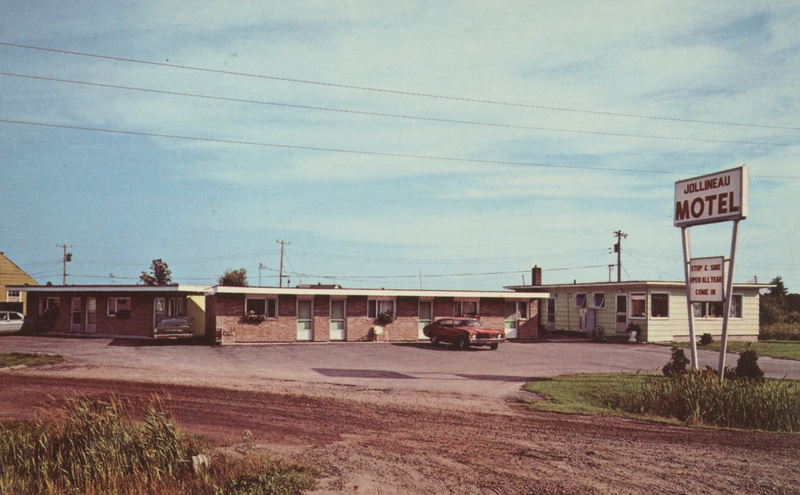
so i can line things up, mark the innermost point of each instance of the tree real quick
(160, 274)
(234, 278)
(779, 291)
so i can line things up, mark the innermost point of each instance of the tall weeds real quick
(94, 447)
(700, 398)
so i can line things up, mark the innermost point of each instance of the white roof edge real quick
(374, 292)
(111, 288)
(632, 282)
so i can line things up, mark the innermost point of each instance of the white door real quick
(305, 319)
(76, 315)
(622, 312)
(337, 325)
(10, 322)
(91, 314)
(425, 317)
(511, 318)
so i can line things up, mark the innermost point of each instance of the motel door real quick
(337, 320)
(91, 314)
(305, 319)
(76, 315)
(425, 317)
(622, 312)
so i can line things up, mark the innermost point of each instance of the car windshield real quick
(468, 323)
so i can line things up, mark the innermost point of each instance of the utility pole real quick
(260, 267)
(280, 273)
(66, 259)
(618, 249)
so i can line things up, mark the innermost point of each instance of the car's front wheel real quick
(493, 346)
(463, 344)
(435, 339)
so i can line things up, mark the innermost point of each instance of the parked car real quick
(11, 321)
(464, 333)
(173, 327)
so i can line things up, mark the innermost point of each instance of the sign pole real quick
(686, 264)
(723, 346)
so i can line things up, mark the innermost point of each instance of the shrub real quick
(706, 339)
(747, 366)
(385, 318)
(677, 363)
(780, 331)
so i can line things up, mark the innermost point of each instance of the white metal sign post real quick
(712, 198)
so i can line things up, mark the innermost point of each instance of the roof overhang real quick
(195, 289)
(296, 291)
(637, 283)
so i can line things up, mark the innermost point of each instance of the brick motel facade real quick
(255, 315)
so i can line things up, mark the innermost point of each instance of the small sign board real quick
(706, 277)
(711, 198)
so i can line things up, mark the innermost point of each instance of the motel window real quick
(638, 305)
(262, 306)
(13, 296)
(699, 310)
(551, 310)
(176, 306)
(379, 306)
(47, 303)
(580, 300)
(659, 306)
(736, 306)
(715, 309)
(118, 304)
(599, 300)
(466, 308)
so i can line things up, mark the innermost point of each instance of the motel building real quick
(255, 315)
(657, 307)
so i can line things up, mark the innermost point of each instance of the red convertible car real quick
(464, 333)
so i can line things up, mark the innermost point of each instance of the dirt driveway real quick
(385, 419)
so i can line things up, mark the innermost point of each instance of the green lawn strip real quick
(594, 394)
(21, 358)
(584, 394)
(779, 349)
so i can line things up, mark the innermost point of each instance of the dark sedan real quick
(464, 333)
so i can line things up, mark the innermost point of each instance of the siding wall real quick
(673, 328)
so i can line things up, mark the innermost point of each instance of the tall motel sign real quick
(712, 198)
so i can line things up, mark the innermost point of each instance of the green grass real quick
(780, 349)
(581, 393)
(18, 358)
(696, 399)
(93, 447)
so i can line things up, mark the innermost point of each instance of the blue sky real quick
(608, 95)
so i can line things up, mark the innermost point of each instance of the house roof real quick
(648, 283)
(11, 273)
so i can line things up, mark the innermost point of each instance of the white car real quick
(11, 321)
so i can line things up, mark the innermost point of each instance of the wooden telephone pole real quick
(618, 249)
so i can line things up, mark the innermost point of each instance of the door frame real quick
(310, 301)
(330, 319)
(76, 327)
(90, 327)
(420, 326)
(621, 327)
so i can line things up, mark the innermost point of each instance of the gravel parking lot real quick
(419, 367)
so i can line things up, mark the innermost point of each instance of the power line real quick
(359, 152)
(399, 116)
(398, 92)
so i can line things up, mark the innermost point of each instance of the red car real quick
(464, 333)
